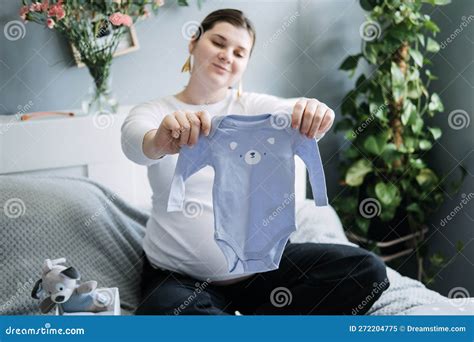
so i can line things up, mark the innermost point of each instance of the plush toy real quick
(59, 286)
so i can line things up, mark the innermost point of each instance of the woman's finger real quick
(327, 121)
(317, 120)
(308, 116)
(171, 124)
(195, 128)
(297, 114)
(185, 127)
(205, 119)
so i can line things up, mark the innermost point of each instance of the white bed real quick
(90, 147)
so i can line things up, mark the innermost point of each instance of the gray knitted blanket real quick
(52, 217)
(100, 235)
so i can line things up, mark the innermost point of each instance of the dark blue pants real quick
(314, 279)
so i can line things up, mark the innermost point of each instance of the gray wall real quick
(301, 60)
(454, 66)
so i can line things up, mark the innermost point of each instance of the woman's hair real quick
(232, 16)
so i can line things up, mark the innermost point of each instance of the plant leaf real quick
(437, 2)
(356, 173)
(425, 144)
(417, 125)
(435, 103)
(435, 131)
(388, 193)
(409, 113)
(432, 45)
(426, 177)
(398, 81)
(417, 56)
(375, 144)
(431, 26)
(350, 62)
(421, 38)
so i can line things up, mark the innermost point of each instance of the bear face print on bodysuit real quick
(251, 156)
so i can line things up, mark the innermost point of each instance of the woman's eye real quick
(218, 44)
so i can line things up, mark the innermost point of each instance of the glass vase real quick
(100, 99)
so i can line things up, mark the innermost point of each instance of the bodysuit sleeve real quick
(190, 161)
(307, 149)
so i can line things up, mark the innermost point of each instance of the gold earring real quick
(239, 89)
(187, 65)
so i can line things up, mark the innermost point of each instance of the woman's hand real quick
(313, 118)
(176, 130)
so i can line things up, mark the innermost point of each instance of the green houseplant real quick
(389, 190)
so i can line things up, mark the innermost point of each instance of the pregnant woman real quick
(185, 272)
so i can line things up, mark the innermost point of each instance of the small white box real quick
(113, 307)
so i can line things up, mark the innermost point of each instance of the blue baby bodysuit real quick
(253, 191)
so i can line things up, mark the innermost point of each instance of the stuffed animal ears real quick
(37, 289)
(49, 264)
(71, 272)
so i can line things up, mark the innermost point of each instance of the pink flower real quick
(118, 19)
(127, 20)
(24, 10)
(159, 3)
(50, 23)
(45, 5)
(35, 7)
(57, 11)
(60, 13)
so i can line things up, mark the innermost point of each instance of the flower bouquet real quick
(95, 29)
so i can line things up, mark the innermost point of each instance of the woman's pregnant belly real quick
(185, 244)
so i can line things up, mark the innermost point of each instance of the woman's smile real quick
(220, 69)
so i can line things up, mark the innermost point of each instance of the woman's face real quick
(220, 56)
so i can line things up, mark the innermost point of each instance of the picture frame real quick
(128, 43)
